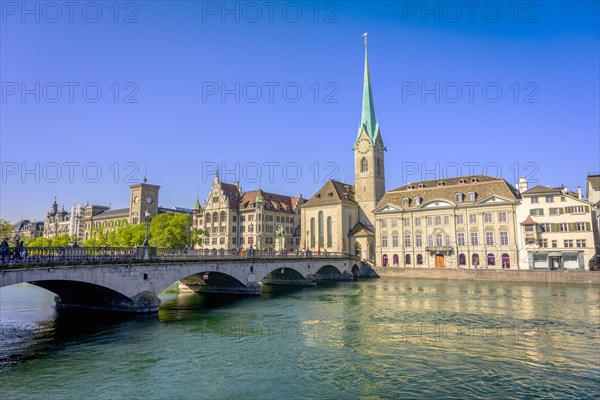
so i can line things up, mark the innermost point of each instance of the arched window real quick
(379, 167)
(459, 197)
(417, 201)
(395, 258)
(223, 217)
(462, 259)
(505, 260)
(491, 260)
(207, 218)
(405, 202)
(215, 217)
(419, 259)
(438, 240)
(364, 165)
(407, 259)
(430, 241)
(329, 231)
(475, 259)
(385, 260)
(448, 242)
(472, 196)
(312, 232)
(321, 229)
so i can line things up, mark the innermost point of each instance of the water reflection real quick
(383, 338)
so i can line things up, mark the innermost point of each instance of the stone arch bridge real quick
(133, 285)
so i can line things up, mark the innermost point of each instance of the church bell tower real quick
(369, 170)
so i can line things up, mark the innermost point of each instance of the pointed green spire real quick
(197, 205)
(368, 121)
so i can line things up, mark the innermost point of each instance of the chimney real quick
(564, 189)
(579, 194)
(523, 185)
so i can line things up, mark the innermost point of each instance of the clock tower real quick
(143, 196)
(369, 171)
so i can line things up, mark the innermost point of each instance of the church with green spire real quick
(339, 217)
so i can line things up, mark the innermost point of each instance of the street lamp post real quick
(147, 219)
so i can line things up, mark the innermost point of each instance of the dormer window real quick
(441, 183)
(474, 179)
(405, 202)
(459, 197)
(472, 196)
(330, 194)
(417, 201)
(462, 181)
(318, 195)
(421, 185)
(410, 187)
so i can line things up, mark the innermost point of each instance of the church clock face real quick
(149, 200)
(363, 146)
(136, 199)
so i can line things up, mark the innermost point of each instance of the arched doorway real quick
(385, 260)
(475, 260)
(395, 259)
(407, 259)
(505, 260)
(491, 259)
(462, 260)
(439, 261)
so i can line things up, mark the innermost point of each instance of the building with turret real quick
(234, 219)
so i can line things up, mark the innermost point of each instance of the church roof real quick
(445, 189)
(528, 221)
(114, 213)
(539, 189)
(333, 192)
(361, 229)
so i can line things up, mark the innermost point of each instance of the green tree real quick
(57, 241)
(6, 230)
(170, 230)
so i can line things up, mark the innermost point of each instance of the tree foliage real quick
(6, 230)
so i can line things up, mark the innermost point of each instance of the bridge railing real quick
(39, 255)
(33, 255)
(220, 254)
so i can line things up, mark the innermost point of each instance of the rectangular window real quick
(544, 227)
(406, 222)
(580, 242)
(418, 240)
(487, 217)
(554, 244)
(384, 223)
(429, 220)
(460, 220)
(555, 211)
(549, 199)
(394, 241)
(417, 221)
(581, 226)
(448, 241)
(568, 243)
(489, 238)
(384, 241)
(504, 238)
(233, 240)
(563, 227)
(536, 212)
(472, 218)
(502, 216)
(461, 239)
(543, 243)
(234, 218)
(474, 239)
(406, 240)
(534, 200)
(394, 222)
(438, 220)
(576, 209)
(250, 240)
(430, 241)
(446, 220)
(222, 240)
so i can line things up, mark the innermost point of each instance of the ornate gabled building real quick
(57, 222)
(339, 217)
(556, 228)
(464, 222)
(26, 229)
(593, 196)
(235, 220)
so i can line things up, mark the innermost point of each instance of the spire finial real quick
(145, 171)
(217, 173)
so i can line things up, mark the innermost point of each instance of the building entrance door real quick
(439, 261)
(555, 262)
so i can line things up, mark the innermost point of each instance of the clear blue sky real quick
(178, 53)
